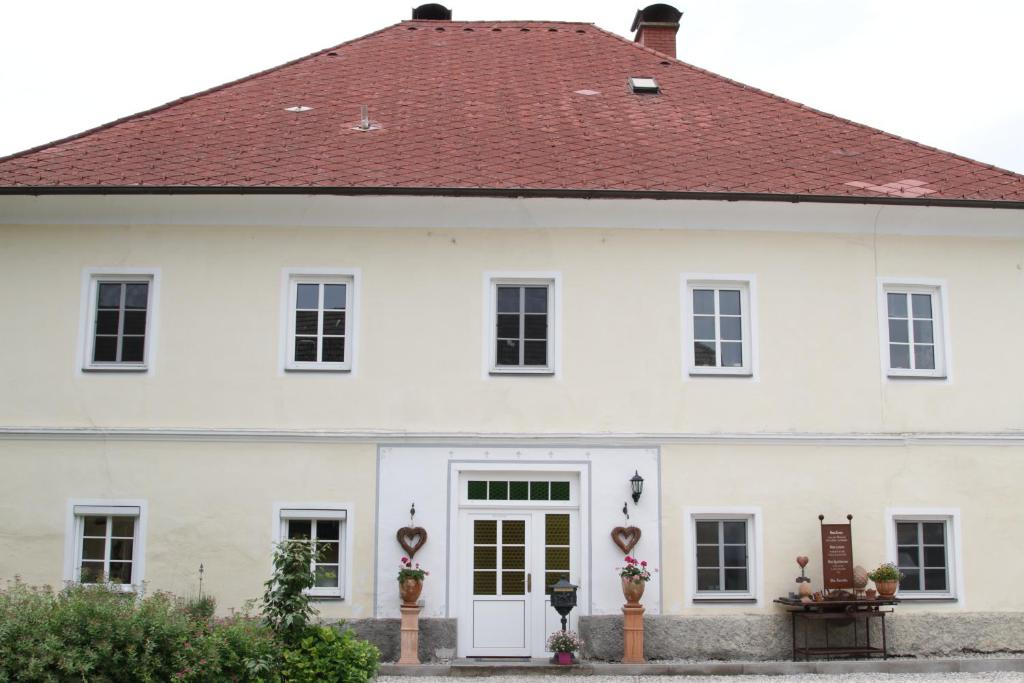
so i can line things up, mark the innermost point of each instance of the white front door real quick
(509, 561)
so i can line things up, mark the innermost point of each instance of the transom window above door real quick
(320, 323)
(522, 326)
(505, 490)
(718, 327)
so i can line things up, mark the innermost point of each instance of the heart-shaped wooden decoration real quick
(626, 537)
(411, 538)
(802, 561)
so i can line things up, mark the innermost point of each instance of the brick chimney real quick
(656, 27)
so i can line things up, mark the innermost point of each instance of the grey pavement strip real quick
(985, 677)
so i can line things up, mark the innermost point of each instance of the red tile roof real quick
(501, 106)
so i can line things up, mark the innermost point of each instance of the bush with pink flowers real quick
(636, 570)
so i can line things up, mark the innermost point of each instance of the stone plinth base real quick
(633, 633)
(410, 653)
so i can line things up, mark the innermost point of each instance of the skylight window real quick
(643, 85)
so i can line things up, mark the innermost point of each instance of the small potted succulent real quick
(410, 580)
(887, 579)
(564, 644)
(635, 575)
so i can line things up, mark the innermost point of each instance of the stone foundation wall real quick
(767, 637)
(435, 634)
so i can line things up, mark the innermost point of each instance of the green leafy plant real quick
(886, 572)
(408, 570)
(286, 605)
(325, 655)
(198, 608)
(564, 641)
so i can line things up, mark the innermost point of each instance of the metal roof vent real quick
(643, 85)
(432, 11)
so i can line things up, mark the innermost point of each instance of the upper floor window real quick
(119, 323)
(913, 332)
(320, 323)
(107, 544)
(522, 326)
(718, 323)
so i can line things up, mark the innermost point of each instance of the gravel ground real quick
(995, 677)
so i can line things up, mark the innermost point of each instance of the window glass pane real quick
(898, 330)
(935, 579)
(707, 556)
(535, 326)
(897, 305)
(91, 572)
(911, 580)
(328, 530)
(105, 350)
(485, 583)
(334, 297)
(734, 532)
(703, 327)
(924, 356)
(328, 552)
(704, 301)
(498, 490)
(559, 490)
(735, 579)
(307, 296)
(508, 299)
(93, 548)
(508, 352)
(922, 304)
(735, 555)
(136, 294)
(551, 578)
(334, 350)
(518, 490)
(707, 532)
(704, 354)
(729, 302)
(899, 356)
(300, 528)
(906, 533)
(732, 355)
(732, 328)
(923, 331)
(513, 583)
(94, 526)
(134, 322)
(508, 326)
(121, 549)
(535, 353)
(556, 530)
(513, 532)
(539, 490)
(120, 572)
(305, 349)
(307, 322)
(326, 576)
(485, 531)
(907, 556)
(935, 556)
(132, 349)
(513, 557)
(485, 557)
(536, 299)
(334, 322)
(107, 321)
(708, 580)
(122, 527)
(934, 532)
(477, 490)
(109, 295)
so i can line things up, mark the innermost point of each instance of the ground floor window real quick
(326, 528)
(107, 544)
(925, 554)
(723, 556)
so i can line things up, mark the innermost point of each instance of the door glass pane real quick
(485, 557)
(513, 532)
(513, 557)
(551, 578)
(513, 583)
(485, 531)
(556, 530)
(556, 558)
(559, 490)
(485, 583)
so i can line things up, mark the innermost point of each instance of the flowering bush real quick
(564, 641)
(635, 570)
(408, 570)
(886, 572)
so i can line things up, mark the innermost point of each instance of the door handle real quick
(529, 582)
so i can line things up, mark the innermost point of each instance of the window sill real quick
(926, 598)
(115, 368)
(543, 372)
(745, 600)
(318, 369)
(327, 598)
(902, 376)
(721, 373)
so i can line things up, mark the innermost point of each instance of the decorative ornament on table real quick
(860, 580)
(803, 583)
(626, 537)
(887, 580)
(411, 538)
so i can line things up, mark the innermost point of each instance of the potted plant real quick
(564, 644)
(635, 576)
(410, 580)
(887, 579)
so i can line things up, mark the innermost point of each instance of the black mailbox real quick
(563, 598)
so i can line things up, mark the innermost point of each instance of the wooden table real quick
(829, 612)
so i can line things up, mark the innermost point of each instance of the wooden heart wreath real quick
(626, 537)
(411, 538)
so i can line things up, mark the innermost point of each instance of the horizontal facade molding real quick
(579, 439)
(894, 217)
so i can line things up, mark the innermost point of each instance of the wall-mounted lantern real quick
(636, 482)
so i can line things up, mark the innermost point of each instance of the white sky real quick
(948, 74)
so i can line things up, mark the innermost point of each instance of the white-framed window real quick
(718, 324)
(522, 325)
(119, 327)
(725, 555)
(914, 329)
(106, 543)
(924, 544)
(320, 321)
(326, 526)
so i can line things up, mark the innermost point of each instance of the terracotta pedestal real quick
(410, 634)
(633, 634)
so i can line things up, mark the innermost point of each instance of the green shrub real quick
(198, 608)
(286, 606)
(248, 652)
(324, 656)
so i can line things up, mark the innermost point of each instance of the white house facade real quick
(194, 372)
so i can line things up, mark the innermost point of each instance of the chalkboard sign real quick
(837, 555)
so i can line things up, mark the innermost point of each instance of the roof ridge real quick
(806, 107)
(188, 98)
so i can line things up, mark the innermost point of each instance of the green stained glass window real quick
(498, 490)
(518, 490)
(477, 490)
(559, 490)
(539, 490)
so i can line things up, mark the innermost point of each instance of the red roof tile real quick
(501, 106)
